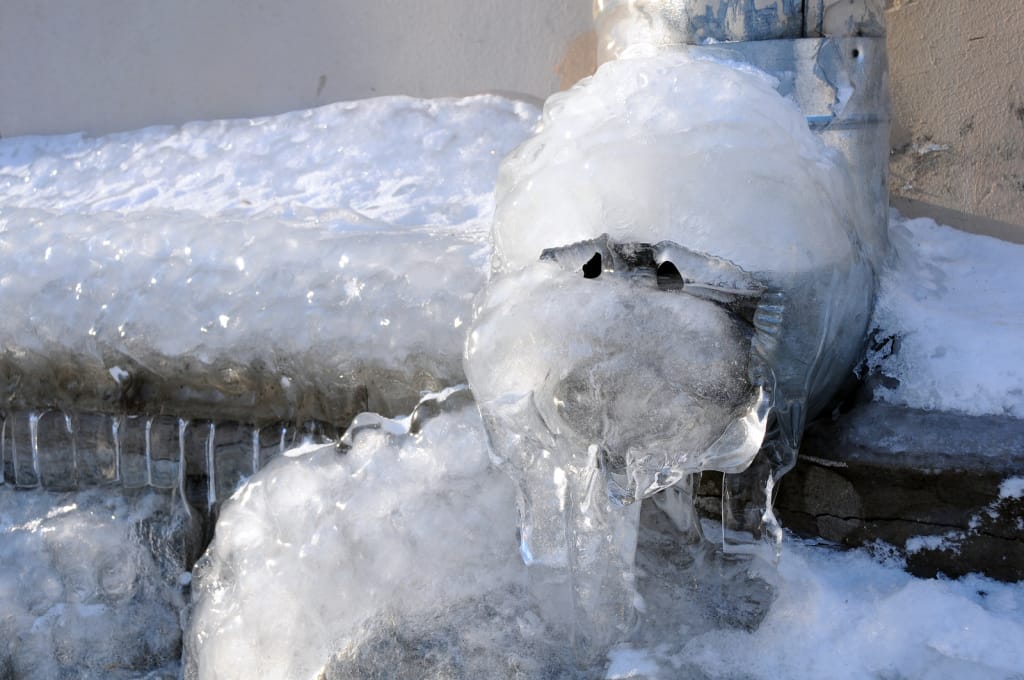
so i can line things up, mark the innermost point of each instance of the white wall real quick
(103, 65)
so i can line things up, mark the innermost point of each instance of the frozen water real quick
(676, 255)
(651, 148)
(399, 559)
(951, 301)
(323, 554)
(303, 266)
(90, 584)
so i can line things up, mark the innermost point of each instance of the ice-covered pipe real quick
(621, 23)
(829, 57)
(682, 273)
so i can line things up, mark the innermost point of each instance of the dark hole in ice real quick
(669, 277)
(592, 269)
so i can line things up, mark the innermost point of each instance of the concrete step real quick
(946, 490)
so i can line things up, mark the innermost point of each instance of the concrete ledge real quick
(927, 483)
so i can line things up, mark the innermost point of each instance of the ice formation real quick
(427, 574)
(91, 584)
(304, 266)
(676, 258)
(406, 536)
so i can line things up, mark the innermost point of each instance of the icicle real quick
(33, 427)
(149, 452)
(211, 470)
(255, 450)
(115, 432)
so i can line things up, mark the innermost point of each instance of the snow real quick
(388, 162)
(844, 615)
(1012, 487)
(948, 541)
(951, 299)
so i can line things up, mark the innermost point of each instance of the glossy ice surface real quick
(678, 265)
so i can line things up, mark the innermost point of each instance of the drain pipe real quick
(828, 55)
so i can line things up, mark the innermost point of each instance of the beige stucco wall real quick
(103, 65)
(957, 82)
(957, 73)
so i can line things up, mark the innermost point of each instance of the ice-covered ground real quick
(292, 210)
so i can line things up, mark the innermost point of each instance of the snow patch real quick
(951, 300)
(1012, 488)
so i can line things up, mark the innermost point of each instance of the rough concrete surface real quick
(957, 82)
(893, 474)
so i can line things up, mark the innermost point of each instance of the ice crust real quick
(90, 584)
(303, 266)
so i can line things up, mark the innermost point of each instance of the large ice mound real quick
(398, 559)
(327, 554)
